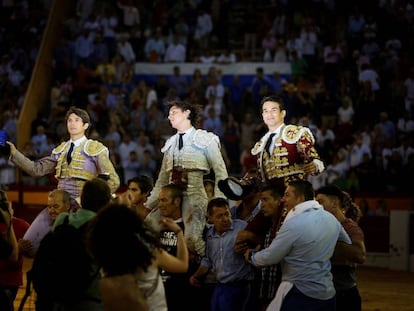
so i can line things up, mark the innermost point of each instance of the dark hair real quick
(121, 241)
(332, 191)
(81, 113)
(144, 182)
(275, 99)
(175, 191)
(259, 70)
(194, 117)
(95, 194)
(346, 203)
(352, 210)
(216, 202)
(276, 191)
(303, 187)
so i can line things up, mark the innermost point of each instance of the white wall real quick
(231, 69)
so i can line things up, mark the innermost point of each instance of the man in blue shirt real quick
(233, 274)
(304, 246)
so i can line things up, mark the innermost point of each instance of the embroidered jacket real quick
(293, 148)
(89, 159)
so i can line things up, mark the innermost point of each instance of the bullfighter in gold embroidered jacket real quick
(72, 166)
(285, 152)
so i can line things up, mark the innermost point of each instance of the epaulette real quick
(93, 147)
(259, 146)
(168, 144)
(292, 133)
(59, 149)
(202, 139)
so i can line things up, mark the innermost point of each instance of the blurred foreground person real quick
(346, 256)
(130, 255)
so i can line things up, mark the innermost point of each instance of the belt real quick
(182, 169)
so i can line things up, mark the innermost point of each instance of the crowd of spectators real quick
(351, 82)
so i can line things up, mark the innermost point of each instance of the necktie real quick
(269, 142)
(69, 154)
(180, 141)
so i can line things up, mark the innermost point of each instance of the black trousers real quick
(7, 296)
(348, 300)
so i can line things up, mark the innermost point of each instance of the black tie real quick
(180, 141)
(69, 154)
(269, 142)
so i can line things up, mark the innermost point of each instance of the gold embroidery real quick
(59, 148)
(93, 147)
(292, 133)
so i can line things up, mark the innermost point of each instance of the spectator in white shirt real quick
(405, 149)
(293, 43)
(7, 172)
(357, 150)
(309, 40)
(323, 135)
(109, 23)
(131, 166)
(151, 94)
(127, 145)
(368, 74)
(386, 153)
(213, 123)
(131, 15)
(345, 111)
(144, 144)
(16, 75)
(204, 26)
(84, 47)
(409, 92)
(405, 124)
(324, 138)
(227, 57)
(113, 134)
(154, 48)
(125, 49)
(39, 140)
(207, 57)
(92, 24)
(214, 96)
(176, 51)
(269, 46)
(338, 169)
(345, 115)
(281, 53)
